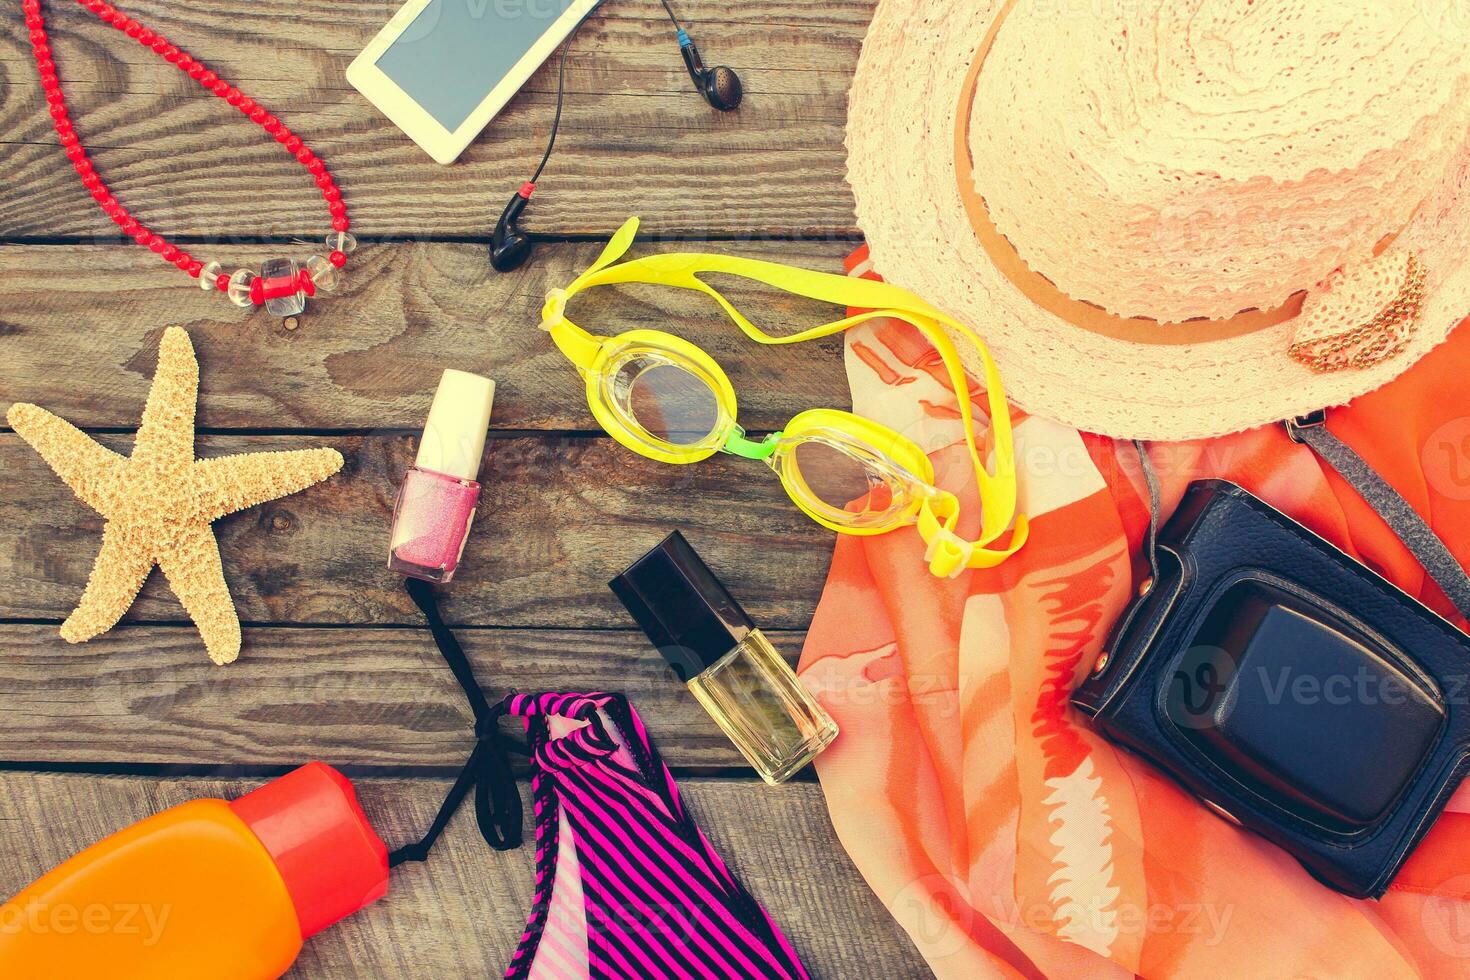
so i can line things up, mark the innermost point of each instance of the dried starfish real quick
(159, 502)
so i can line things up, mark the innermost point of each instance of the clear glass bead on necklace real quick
(324, 275)
(341, 241)
(239, 291)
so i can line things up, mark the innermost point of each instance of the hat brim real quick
(901, 166)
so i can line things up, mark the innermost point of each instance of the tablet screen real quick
(456, 51)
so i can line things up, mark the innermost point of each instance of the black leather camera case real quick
(1291, 687)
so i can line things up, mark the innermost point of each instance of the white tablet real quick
(442, 69)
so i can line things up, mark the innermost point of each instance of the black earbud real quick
(509, 248)
(720, 86)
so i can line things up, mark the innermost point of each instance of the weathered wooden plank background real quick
(635, 136)
(375, 697)
(336, 665)
(461, 914)
(81, 326)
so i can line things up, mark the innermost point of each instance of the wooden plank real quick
(635, 136)
(461, 914)
(559, 516)
(80, 325)
(353, 697)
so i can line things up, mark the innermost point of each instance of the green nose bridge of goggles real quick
(738, 445)
(934, 512)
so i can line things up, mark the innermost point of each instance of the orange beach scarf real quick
(1004, 834)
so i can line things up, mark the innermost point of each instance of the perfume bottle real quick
(729, 665)
(436, 505)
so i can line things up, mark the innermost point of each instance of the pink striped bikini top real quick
(626, 883)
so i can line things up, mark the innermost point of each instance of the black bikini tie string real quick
(487, 771)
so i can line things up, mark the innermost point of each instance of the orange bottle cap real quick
(328, 854)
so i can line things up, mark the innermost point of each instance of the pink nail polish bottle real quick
(436, 505)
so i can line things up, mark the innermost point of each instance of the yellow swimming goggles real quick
(667, 399)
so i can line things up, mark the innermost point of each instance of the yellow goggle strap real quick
(579, 346)
(948, 554)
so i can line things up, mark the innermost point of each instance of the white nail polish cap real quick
(454, 435)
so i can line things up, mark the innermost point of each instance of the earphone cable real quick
(561, 87)
(561, 84)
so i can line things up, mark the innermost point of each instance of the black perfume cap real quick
(687, 613)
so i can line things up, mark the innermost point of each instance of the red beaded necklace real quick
(283, 283)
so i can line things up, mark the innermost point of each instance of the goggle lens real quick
(669, 401)
(844, 484)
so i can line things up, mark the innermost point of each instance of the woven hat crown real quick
(1179, 159)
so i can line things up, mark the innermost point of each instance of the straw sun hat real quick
(1173, 219)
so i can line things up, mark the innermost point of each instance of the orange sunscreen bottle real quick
(211, 889)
